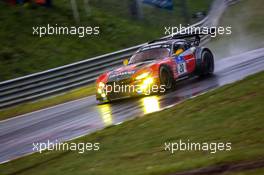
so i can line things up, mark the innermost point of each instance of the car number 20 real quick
(181, 67)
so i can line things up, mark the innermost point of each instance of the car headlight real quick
(101, 86)
(142, 76)
(148, 81)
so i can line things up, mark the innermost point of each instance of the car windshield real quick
(150, 53)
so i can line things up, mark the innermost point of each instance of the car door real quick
(184, 58)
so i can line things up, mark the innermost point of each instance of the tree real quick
(135, 9)
(75, 11)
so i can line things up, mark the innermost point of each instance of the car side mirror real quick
(125, 62)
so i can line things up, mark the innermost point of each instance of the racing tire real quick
(207, 64)
(166, 78)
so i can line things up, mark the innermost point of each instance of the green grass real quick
(246, 20)
(233, 113)
(47, 102)
(21, 53)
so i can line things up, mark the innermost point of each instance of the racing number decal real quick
(181, 67)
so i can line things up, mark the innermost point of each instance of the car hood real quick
(126, 72)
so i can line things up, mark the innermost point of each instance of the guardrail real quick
(61, 79)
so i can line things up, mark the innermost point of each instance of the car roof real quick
(169, 41)
(162, 42)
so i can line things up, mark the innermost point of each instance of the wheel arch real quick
(167, 67)
(198, 58)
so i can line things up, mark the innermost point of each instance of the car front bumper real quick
(133, 89)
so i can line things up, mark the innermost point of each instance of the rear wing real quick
(193, 38)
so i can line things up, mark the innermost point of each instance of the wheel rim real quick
(165, 79)
(208, 64)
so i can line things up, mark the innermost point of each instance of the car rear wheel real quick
(166, 78)
(207, 65)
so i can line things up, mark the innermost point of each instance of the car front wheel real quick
(166, 78)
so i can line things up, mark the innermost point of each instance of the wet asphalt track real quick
(76, 118)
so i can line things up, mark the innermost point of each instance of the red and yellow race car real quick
(155, 68)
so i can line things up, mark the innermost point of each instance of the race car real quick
(155, 68)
